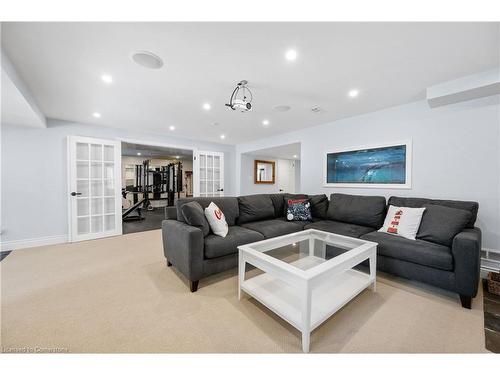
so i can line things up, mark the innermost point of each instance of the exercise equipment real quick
(164, 180)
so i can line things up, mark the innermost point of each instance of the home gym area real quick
(152, 178)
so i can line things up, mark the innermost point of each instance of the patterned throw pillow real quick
(402, 221)
(298, 210)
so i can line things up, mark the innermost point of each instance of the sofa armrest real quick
(183, 247)
(170, 213)
(466, 250)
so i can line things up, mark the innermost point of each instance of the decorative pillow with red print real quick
(217, 220)
(403, 221)
(298, 210)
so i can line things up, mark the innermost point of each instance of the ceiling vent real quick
(317, 109)
(147, 60)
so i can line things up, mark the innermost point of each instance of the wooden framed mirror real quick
(264, 172)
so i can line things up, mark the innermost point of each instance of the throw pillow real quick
(403, 221)
(441, 224)
(298, 210)
(319, 205)
(217, 220)
(193, 215)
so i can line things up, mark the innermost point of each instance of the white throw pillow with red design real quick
(403, 221)
(216, 219)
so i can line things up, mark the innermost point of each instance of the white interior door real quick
(286, 176)
(94, 168)
(210, 168)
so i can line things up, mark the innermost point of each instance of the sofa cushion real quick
(193, 215)
(472, 207)
(319, 205)
(357, 209)
(255, 207)
(228, 205)
(216, 246)
(274, 228)
(337, 227)
(414, 251)
(278, 203)
(441, 224)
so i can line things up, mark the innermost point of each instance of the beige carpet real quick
(117, 295)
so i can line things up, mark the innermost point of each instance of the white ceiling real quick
(390, 63)
(279, 152)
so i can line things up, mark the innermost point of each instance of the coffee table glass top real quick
(305, 250)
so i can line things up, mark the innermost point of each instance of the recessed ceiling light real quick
(147, 60)
(172, 128)
(138, 154)
(281, 108)
(295, 156)
(106, 78)
(206, 106)
(222, 136)
(96, 115)
(353, 93)
(265, 122)
(291, 55)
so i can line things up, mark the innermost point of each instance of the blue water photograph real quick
(384, 165)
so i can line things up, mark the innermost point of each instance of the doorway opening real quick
(153, 178)
(281, 163)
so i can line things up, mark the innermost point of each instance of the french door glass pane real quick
(109, 188)
(82, 151)
(96, 188)
(216, 161)
(109, 222)
(109, 153)
(96, 224)
(203, 187)
(82, 169)
(82, 206)
(210, 161)
(96, 170)
(109, 170)
(109, 205)
(96, 152)
(83, 225)
(96, 206)
(82, 186)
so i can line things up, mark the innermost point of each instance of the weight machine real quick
(164, 180)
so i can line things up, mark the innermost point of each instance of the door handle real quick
(281, 189)
(74, 193)
(220, 189)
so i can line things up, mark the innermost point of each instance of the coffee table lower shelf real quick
(327, 298)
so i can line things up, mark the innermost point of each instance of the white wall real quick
(34, 176)
(455, 153)
(247, 176)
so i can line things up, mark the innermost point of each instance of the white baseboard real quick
(32, 242)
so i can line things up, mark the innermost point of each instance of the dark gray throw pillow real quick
(255, 207)
(441, 224)
(195, 216)
(319, 205)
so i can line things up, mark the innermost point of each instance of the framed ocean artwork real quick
(384, 166)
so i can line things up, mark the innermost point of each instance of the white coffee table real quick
(306, 277)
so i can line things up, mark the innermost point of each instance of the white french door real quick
(210, 179)
(94, 171)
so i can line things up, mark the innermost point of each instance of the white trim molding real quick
(33, 242)
(408, 167)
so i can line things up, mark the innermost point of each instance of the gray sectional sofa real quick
(451, 264)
